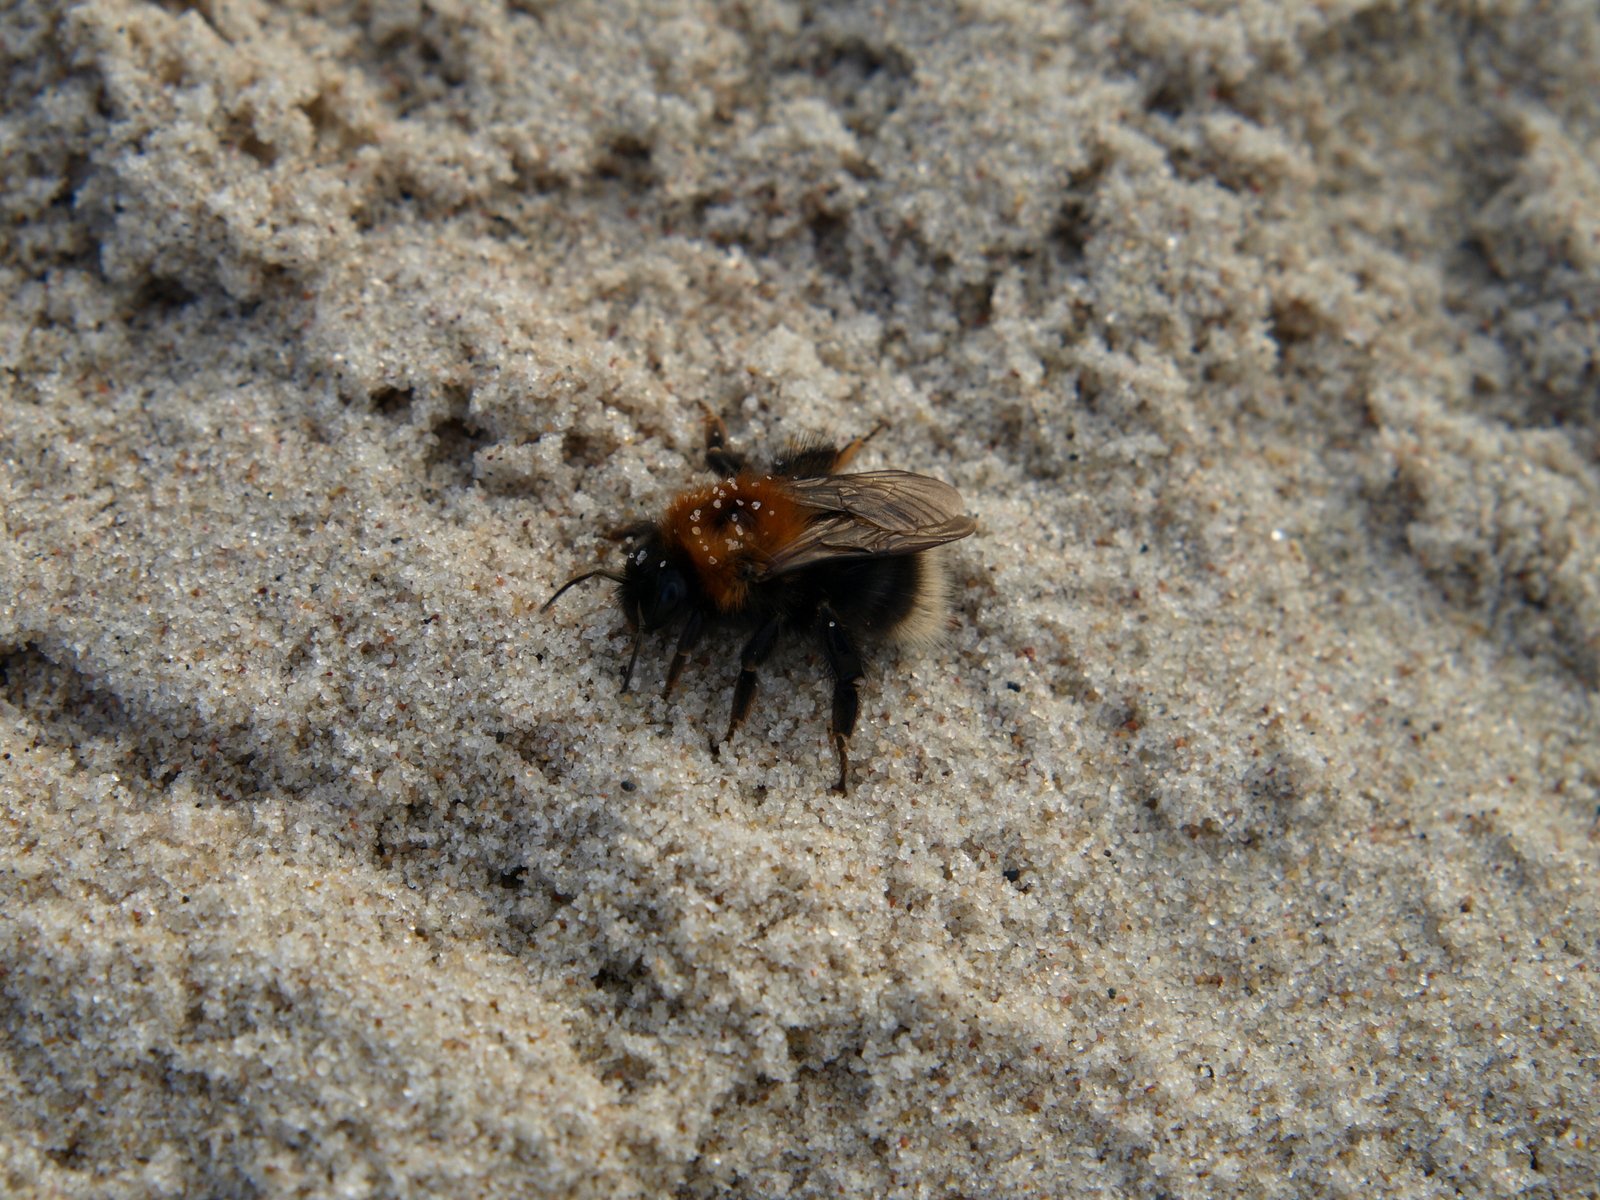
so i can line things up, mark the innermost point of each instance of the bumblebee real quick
(792, 548)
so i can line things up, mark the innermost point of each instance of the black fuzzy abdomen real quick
(876, 595)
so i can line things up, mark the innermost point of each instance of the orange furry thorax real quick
(732, 528)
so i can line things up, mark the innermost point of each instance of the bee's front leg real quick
(719, 459)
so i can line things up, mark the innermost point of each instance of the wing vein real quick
(871, 514)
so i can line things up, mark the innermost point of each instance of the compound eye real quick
(671, 592)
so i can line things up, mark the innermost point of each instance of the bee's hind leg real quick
(811, 457)
(845, 664)
(850, 450)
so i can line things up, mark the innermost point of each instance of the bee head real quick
(656, 589)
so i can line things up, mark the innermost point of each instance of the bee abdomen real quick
(904, 598)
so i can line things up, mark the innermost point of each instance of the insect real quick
(792, 548)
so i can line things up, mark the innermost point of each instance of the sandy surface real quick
(1241, 840)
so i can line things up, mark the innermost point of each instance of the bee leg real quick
(845, 664)
(633, 529)
(849, 451)
(633, 655)
(686, 644)
(719, 459)
(752, 656)
(808, 459)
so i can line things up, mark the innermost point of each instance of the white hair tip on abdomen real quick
(927, 622)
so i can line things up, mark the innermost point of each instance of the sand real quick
(1239, 840)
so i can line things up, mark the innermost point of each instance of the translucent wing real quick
(896, 500)
(869, 514)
